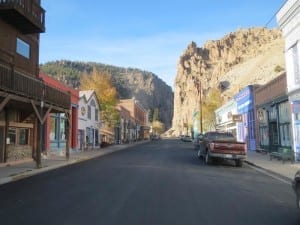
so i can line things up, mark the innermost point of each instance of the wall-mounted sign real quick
(237, 118)
(261, 115)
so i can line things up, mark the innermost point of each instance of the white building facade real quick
(226, 117)
(88, 120)
(288, 18)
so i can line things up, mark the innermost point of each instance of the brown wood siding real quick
(8, 55)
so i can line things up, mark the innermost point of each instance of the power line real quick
(274, 15)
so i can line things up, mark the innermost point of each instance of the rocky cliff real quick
(247, 56)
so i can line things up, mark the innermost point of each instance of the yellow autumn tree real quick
(106, 93)
(211, 102)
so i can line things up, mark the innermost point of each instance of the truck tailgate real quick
(228, 147)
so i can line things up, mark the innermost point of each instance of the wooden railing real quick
(22, 85)
(30, 8)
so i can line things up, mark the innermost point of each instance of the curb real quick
(36, 171)
(33, 172)
(270, 173)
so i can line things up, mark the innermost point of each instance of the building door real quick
(274, 139)
(81, 139)
(96, 137)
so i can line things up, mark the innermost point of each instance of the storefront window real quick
(23, 136)
(297, 116)
(12, 134)
(272, 113)
(284, 112)
(297, 135)
(18, 136)
(285, 135)
(53, 135)
(62, 129)
(264, 137)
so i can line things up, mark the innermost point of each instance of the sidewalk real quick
(13, 171)
(10, 172)
(285, 170)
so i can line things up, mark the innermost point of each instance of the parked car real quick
(221, 145)
(296, 187)
(187, 138)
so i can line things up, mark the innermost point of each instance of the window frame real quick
(23, 48)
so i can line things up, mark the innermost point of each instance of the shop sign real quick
(237, 118)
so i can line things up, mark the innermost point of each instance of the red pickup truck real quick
(223, 145)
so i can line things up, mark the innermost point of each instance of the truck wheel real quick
(199, 154)
(239, 163)
(207, 159)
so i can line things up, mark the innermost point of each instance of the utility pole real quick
(199, 89)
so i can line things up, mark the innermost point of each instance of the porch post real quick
(68, 133)
(39, 149)
(5, 135)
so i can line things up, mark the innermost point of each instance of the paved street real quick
(160, 182)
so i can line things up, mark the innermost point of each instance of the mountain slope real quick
(144, 86)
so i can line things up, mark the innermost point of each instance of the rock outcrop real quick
(247, 56)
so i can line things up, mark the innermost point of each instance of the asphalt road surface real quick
(157, 183)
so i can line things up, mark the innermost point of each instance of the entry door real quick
(2, 142)
(274, 139)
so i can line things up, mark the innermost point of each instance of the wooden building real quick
(25, 100)
(55, 124)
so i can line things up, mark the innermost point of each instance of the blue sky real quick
(149, 35)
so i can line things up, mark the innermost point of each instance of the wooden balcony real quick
(19, 84)
(26, 15)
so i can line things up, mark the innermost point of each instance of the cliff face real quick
(152, 92)
(247, 56)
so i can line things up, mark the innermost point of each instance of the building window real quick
(18, 136)
(96, 114)
(285, 135)
(93, 103)
(264, 137)
(12, 135)
(89, 112)
(23, 136)
(295, 53)
(23, 48)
